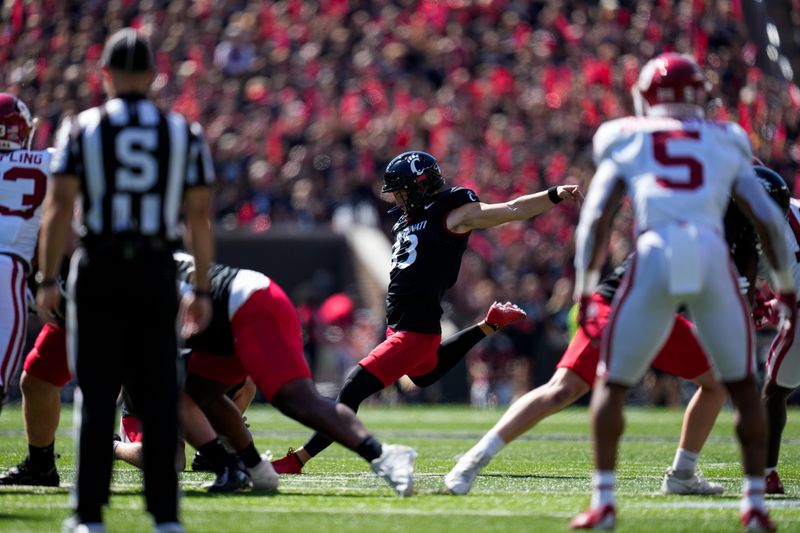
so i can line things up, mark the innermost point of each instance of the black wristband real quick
(552, 193)
(494, 327)
(199, 293)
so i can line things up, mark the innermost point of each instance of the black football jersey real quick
(216, 338)
(608, 286)
(426, 258)
(743, 242)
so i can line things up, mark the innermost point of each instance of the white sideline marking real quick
(771, 504)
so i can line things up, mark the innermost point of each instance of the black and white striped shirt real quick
(135, 163)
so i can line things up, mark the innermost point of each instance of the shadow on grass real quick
(38, 491)
(21, 517)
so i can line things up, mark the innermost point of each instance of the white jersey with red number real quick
(679, 174)
(675, 169)
(24, 175)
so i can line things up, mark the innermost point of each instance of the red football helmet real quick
(16, 123)
(673, 80)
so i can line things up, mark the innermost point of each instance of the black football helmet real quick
(775, 186)
(417, 173)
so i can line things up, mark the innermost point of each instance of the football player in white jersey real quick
(680, 171)
(783, 361)
(24, 174)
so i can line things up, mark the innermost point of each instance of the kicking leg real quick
(453, 349)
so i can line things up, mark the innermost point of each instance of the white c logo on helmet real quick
(412, 162)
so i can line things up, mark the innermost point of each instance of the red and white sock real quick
(753, 495)
(603, 488)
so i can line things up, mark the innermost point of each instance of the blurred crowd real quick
(304, 102)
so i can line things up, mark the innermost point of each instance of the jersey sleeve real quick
(607, 137)
(740, 141)
(742, 149)
(66, 158)
(200, 169)
(459, 196)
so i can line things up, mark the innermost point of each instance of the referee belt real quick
(127, 247)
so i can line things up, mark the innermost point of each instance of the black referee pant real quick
(122, 325)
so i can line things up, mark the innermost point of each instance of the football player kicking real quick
(680, 171)
(681, 355)
(430, 238)
(255, 332)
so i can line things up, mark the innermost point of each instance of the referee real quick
(132, 167)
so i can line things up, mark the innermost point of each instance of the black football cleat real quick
(200, 463)
(232, 479)
(26, 474)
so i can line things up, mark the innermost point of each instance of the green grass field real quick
(536, 484)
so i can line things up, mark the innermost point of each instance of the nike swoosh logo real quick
(430, 204)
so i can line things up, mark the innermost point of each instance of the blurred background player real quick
(255, 332)
(430, 239)
(680, 171)
(783, 361)
(24, 174)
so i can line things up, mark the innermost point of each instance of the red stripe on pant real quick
(624, 291)
(746, 312)
(780, 346)
(12, 350)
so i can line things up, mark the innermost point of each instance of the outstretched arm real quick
(480, 215)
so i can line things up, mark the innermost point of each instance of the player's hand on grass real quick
(195, 314)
